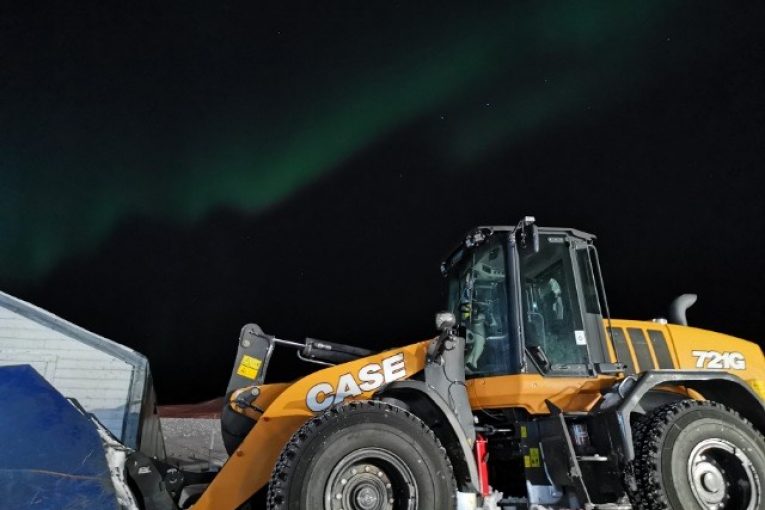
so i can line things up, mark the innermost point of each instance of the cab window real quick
(478, 298)
(551, 312)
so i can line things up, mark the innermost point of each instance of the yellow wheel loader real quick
(531, 397)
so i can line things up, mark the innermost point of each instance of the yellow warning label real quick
(526, 461)
(249, 367)
(534, 454)
(524, 432)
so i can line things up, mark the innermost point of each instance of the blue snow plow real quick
(52, 456)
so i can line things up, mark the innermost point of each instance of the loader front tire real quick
(366, 455)
(697, 455)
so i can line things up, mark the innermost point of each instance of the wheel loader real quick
(530, 397)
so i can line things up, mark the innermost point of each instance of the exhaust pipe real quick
(679, 306)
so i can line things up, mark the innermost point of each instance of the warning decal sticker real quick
(249, 367)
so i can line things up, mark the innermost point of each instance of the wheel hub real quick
(367, 497)
(721, 474)
(370, 479)
(712, 481)
(709, 482)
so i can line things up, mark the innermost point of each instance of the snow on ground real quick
(194, 442)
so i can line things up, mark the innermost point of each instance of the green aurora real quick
(73, 169)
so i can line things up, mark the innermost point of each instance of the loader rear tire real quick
(365, 455)
(697, 455)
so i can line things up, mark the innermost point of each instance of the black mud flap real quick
(559, 455)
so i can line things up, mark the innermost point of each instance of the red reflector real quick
(482, 460)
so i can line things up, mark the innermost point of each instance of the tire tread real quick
(281, 476)
(648, 436)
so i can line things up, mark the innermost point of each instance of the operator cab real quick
(526, 299)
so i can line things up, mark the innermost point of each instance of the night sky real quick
(169, 173)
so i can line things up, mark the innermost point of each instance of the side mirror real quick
(527, 226)
(445, 321)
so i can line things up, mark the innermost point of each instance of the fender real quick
(249, 468)
(457, 443)
(722, 387)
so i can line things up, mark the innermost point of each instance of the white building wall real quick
(98, 380)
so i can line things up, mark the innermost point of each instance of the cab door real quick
(556, 330)
(553, 324)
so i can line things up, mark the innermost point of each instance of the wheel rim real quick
(371, 479)
(722, 476)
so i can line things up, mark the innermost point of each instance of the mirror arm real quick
(436, 345)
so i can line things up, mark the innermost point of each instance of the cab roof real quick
(476, 236)
(542, 230)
